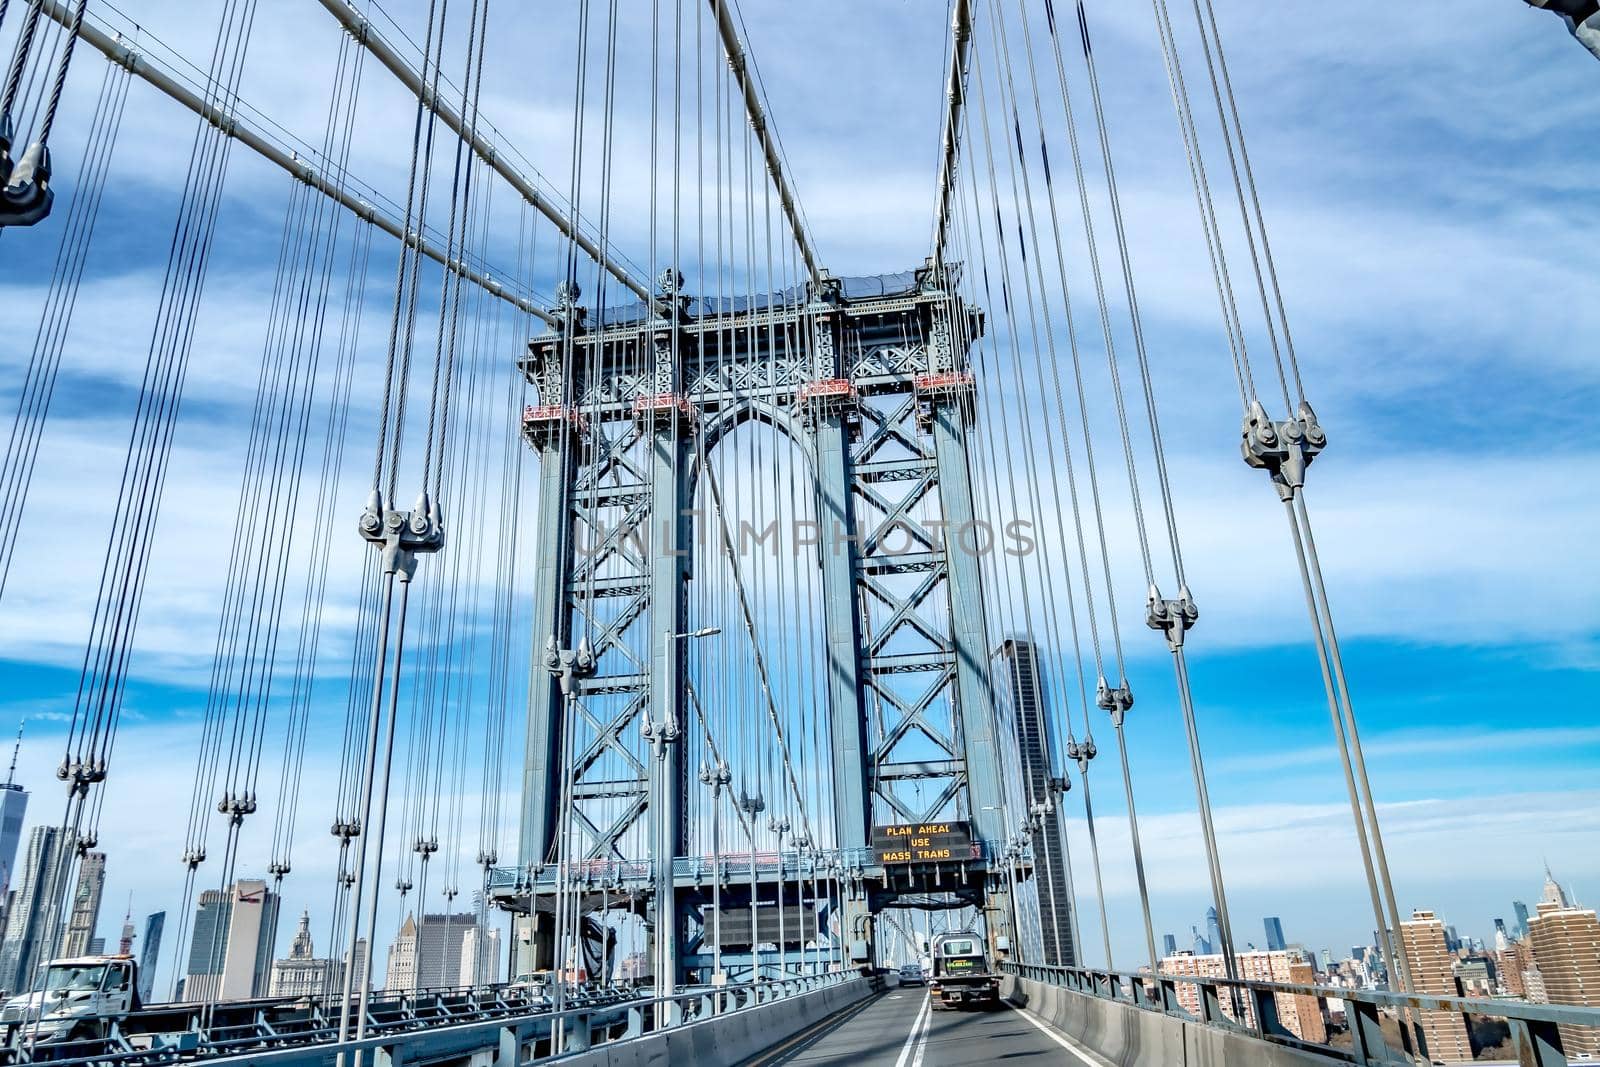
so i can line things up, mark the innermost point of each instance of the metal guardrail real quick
(162, 1033)
(583, 1027)
(406, 1027)
(1534, 1029)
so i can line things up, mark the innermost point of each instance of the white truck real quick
(76, 1001)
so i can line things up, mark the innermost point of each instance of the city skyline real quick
(281, 943)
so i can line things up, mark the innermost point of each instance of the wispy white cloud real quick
(1466, 858)
(1486, 744)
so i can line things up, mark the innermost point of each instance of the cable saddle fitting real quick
(402, 534)
(1117, 701)
(25, 193)
(1173, 617)
(568, 664)
(236, 806)
(1081, 753)
(80, 775)
(1282, 449)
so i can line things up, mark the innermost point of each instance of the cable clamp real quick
(25, 193)
(569, 664)
(1175, 618)
(401, 535)
(1081, 752)
(237, 805)
(1118, 701)
(1282, 449)
(81, 774)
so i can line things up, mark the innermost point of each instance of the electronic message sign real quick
(928, 842)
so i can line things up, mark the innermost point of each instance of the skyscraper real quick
(207, 946)
(302, 974)
(1566, 949)
(1022, 692)
(1214, 931)
(1301, 1015)
(1274, 927)
(1521, 911)
(1169, 945)
(86, 897)
(31, 924)
(480, 957)
(427, 955)
(230, 957)
(150, 954)
(1432, 972)
(13, 806)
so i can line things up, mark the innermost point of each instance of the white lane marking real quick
(927, 1028)
(911, 1038)
(1057, 1038)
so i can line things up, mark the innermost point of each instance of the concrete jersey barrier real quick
(730, 1038)
(1123, 1035)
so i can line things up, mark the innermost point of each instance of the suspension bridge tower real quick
(870, 379)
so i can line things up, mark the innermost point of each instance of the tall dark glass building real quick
(1019, 685)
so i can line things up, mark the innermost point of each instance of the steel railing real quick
(407, 1026)
(1251, 1007)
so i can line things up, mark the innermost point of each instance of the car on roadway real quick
(911, 974)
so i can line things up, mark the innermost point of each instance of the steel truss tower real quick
(870, 379)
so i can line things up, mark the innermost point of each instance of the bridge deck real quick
(897, 1029)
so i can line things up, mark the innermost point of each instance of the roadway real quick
(898, 1029)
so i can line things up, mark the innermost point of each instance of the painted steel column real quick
(837, 561)
(541, 780)
(829, 418)
(665, 414)
(670, 545)
(974, 698)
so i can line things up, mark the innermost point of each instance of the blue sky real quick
(1426, 182)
